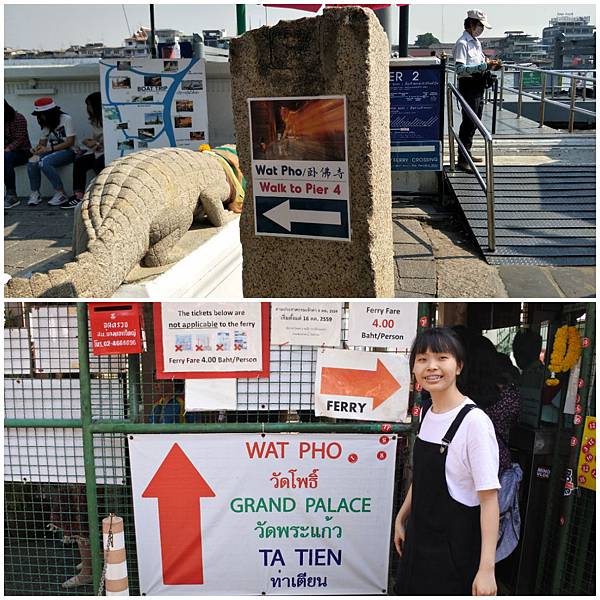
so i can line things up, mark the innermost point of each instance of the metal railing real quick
(488, 185)
(543, 95)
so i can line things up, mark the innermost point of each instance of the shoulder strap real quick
(449, 436)
(425, 406)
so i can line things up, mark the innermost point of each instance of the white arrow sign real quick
(283, 215)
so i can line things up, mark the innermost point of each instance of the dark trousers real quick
(12, 159)
(81, 166)
(472, 90)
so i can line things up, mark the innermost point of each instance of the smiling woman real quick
(447, 527)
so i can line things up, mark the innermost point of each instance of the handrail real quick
(559, 72)
(488, 185)
(570, 106)
(542, 97)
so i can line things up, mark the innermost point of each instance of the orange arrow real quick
(379, 384)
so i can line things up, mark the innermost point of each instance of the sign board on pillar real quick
(300, 167)
(368, 386)
(416, 117)
(242, 514)
(211, 341)
(382, 324)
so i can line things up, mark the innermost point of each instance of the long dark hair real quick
(439, 340)
(9, 113)
(94, 102)
(50, 118)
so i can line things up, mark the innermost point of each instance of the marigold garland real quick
(566, 351)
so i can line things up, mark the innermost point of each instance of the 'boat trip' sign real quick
(277, 514)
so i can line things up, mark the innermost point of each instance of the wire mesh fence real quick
(46, 508)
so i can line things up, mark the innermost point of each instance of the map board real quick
(153, 103)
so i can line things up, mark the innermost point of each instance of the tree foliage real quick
(425, 40)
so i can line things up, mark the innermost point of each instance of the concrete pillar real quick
(343, 52)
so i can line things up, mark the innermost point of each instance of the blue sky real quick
(54, 26)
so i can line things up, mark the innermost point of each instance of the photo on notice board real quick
(298, 129)
(153, 118)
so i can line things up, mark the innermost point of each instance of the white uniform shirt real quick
(472, 461)
(468, 50)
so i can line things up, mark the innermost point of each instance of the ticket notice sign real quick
(300, 177)
(586, 468)
(383, 324)
(153, 103)
(368, 386)
(204, 340)
(306, 323)
(273, 514)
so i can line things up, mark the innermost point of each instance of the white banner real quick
(382, 324)
(233, 514)
(306, 324)
(368, 386)
(153, 103)
(210, 339)
(210, 394)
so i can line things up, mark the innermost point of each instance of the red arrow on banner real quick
(379, 384)
(179, 487)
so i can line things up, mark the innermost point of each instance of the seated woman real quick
(93, 158)
(55, 149)
(17, 151)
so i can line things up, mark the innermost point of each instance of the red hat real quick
(42, 105)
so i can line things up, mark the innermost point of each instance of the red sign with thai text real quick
(115, 328)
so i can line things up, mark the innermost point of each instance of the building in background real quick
(520, 47)
(135, 46)
(573, 37)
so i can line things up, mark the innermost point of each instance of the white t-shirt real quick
(472, 461)
(468, 50)
(61, 133)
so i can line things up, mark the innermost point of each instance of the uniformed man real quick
(471, 67)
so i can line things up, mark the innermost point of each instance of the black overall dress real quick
(441, 552)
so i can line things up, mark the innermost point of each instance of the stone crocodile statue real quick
(135, 212)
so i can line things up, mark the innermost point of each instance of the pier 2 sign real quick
(238, 514)
(416, 102)
(300, 177)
